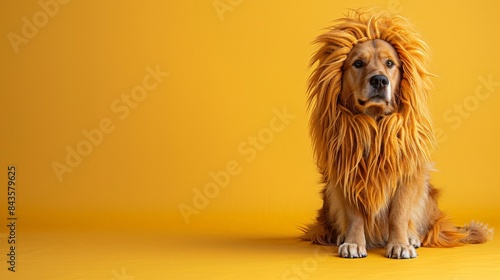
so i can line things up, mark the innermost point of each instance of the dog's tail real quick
(443, 233)
(320, 232)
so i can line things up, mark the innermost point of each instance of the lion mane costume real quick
(365, 160)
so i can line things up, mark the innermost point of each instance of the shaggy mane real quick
(369, 157)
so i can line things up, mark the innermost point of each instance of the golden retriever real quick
(372, 136)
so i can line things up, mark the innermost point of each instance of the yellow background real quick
(229, 72)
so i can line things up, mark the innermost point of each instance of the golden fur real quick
(374, 154)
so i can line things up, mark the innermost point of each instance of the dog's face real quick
(371, 76)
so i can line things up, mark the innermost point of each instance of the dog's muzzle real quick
(379, 82)
(379, 91)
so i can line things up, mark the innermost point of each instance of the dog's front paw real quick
(400, 251)
(352, 250)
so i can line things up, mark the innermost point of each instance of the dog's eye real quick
(358, 63)
(389, 63)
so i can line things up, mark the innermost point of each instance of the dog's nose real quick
(379, 81)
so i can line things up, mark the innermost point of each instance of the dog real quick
(372, 137)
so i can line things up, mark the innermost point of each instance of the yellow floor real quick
(141, 255)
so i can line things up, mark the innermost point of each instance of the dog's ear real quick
(324, 87)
